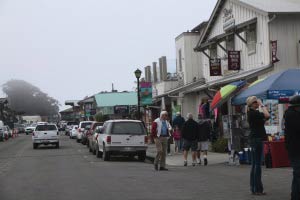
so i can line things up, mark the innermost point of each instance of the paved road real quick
(72, 173)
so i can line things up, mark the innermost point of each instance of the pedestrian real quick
(161, 130)
(178, 122)
(204, 136)
(190, 130)
(256, 120)
(177, 138)
(292, 140)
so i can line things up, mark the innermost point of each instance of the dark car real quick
(89, 132)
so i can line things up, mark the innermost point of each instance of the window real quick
(83, 125)
(230, 43)
(180, 60)
(213, 51)
(46, 128)
(251, 39)
(128, 128)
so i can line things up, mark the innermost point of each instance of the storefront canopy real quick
(226, 92)
(280, 85)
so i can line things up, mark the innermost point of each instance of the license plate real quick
(128, 149)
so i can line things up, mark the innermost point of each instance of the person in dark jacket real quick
(177, 124)
(256, 120)
(204, 136)
(190, 130)
(292, 140)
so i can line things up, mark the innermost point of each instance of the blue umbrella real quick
(283, 84)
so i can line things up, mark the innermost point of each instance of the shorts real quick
(190, 144)
(203, 146)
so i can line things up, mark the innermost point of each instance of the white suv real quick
(45, 134)
(122, 137)
(81, 128)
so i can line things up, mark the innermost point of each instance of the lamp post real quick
(138, 74)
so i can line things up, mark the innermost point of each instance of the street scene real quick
(135, 100)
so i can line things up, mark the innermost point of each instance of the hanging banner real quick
(234, 60)
(215, 67)
(146, 93)
(274, 51)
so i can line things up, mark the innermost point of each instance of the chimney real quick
(164, 68)
(154, 69)
(160, 69)
(148, 74)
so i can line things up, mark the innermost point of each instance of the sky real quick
(71, 49)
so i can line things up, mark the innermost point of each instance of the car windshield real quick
(128, 128)
(46, 128)
(83, 125)
(72, 123)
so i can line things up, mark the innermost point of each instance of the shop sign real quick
(215, 67)
(279, 94)
(274, 51)
(228, 19)
(146, 93)
(123, 110)
(234, 60)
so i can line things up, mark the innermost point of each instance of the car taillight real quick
(108, 139)
(146, 140)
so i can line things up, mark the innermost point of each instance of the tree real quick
(99, 117)
(26, 98)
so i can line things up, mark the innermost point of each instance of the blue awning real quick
(282, 84)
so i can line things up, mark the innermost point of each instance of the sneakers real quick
(156, 167)
(205, 161)
(199, 162)
(185, 163)
(194, 164)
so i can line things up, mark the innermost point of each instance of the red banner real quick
(274, 51)
(234, 60)
(215, 67)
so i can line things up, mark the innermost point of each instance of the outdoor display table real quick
(278, 153)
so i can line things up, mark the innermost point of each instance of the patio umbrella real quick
(255, 82)
(280, 85)
(225, 92)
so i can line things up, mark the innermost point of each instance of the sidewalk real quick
(177, 159)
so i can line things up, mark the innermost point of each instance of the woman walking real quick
(258, 134)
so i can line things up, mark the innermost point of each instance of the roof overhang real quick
(235, 77)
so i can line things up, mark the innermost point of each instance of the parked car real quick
(45, 134)
(9, 131)
(81, 129)
(73, 132)
(122, 137)
(69, 127)
(89, 131)
(93, 139)
(29, 129)
(3, 134)
(6, 132)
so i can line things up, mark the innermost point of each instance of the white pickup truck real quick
(45, 134)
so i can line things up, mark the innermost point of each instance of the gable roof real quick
(267, 6)
(116, 98)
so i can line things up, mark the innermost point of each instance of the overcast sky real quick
(74, 48)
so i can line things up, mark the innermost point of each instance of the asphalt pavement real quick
(72, 173)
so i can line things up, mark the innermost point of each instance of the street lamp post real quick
(138, 74)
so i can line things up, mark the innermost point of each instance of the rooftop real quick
(116, 98)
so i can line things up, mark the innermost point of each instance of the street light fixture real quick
(138, 74)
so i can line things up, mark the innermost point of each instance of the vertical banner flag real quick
(146, 93)
(234, 60)
(274, 51)
(215, 67)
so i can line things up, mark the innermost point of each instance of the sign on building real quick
(121, 110)
(146, 93)
(274, 52)
(228, 19)
(234, 60)
(215, 67)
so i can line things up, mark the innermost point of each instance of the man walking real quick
(190, 132)
(177, 123)
(161, 132)
(203, 142)
(292, 140)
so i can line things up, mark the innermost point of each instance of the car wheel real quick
(57, 145)
(142, 156)
(35, 146)
(98, 153)
(77, 140)
(106, 154)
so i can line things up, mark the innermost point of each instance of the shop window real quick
(180, 60)
(251, 37)
(213, 51)
(230, 43)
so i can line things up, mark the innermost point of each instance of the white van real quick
(122, 137)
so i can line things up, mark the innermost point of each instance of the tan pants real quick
(161, 144)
